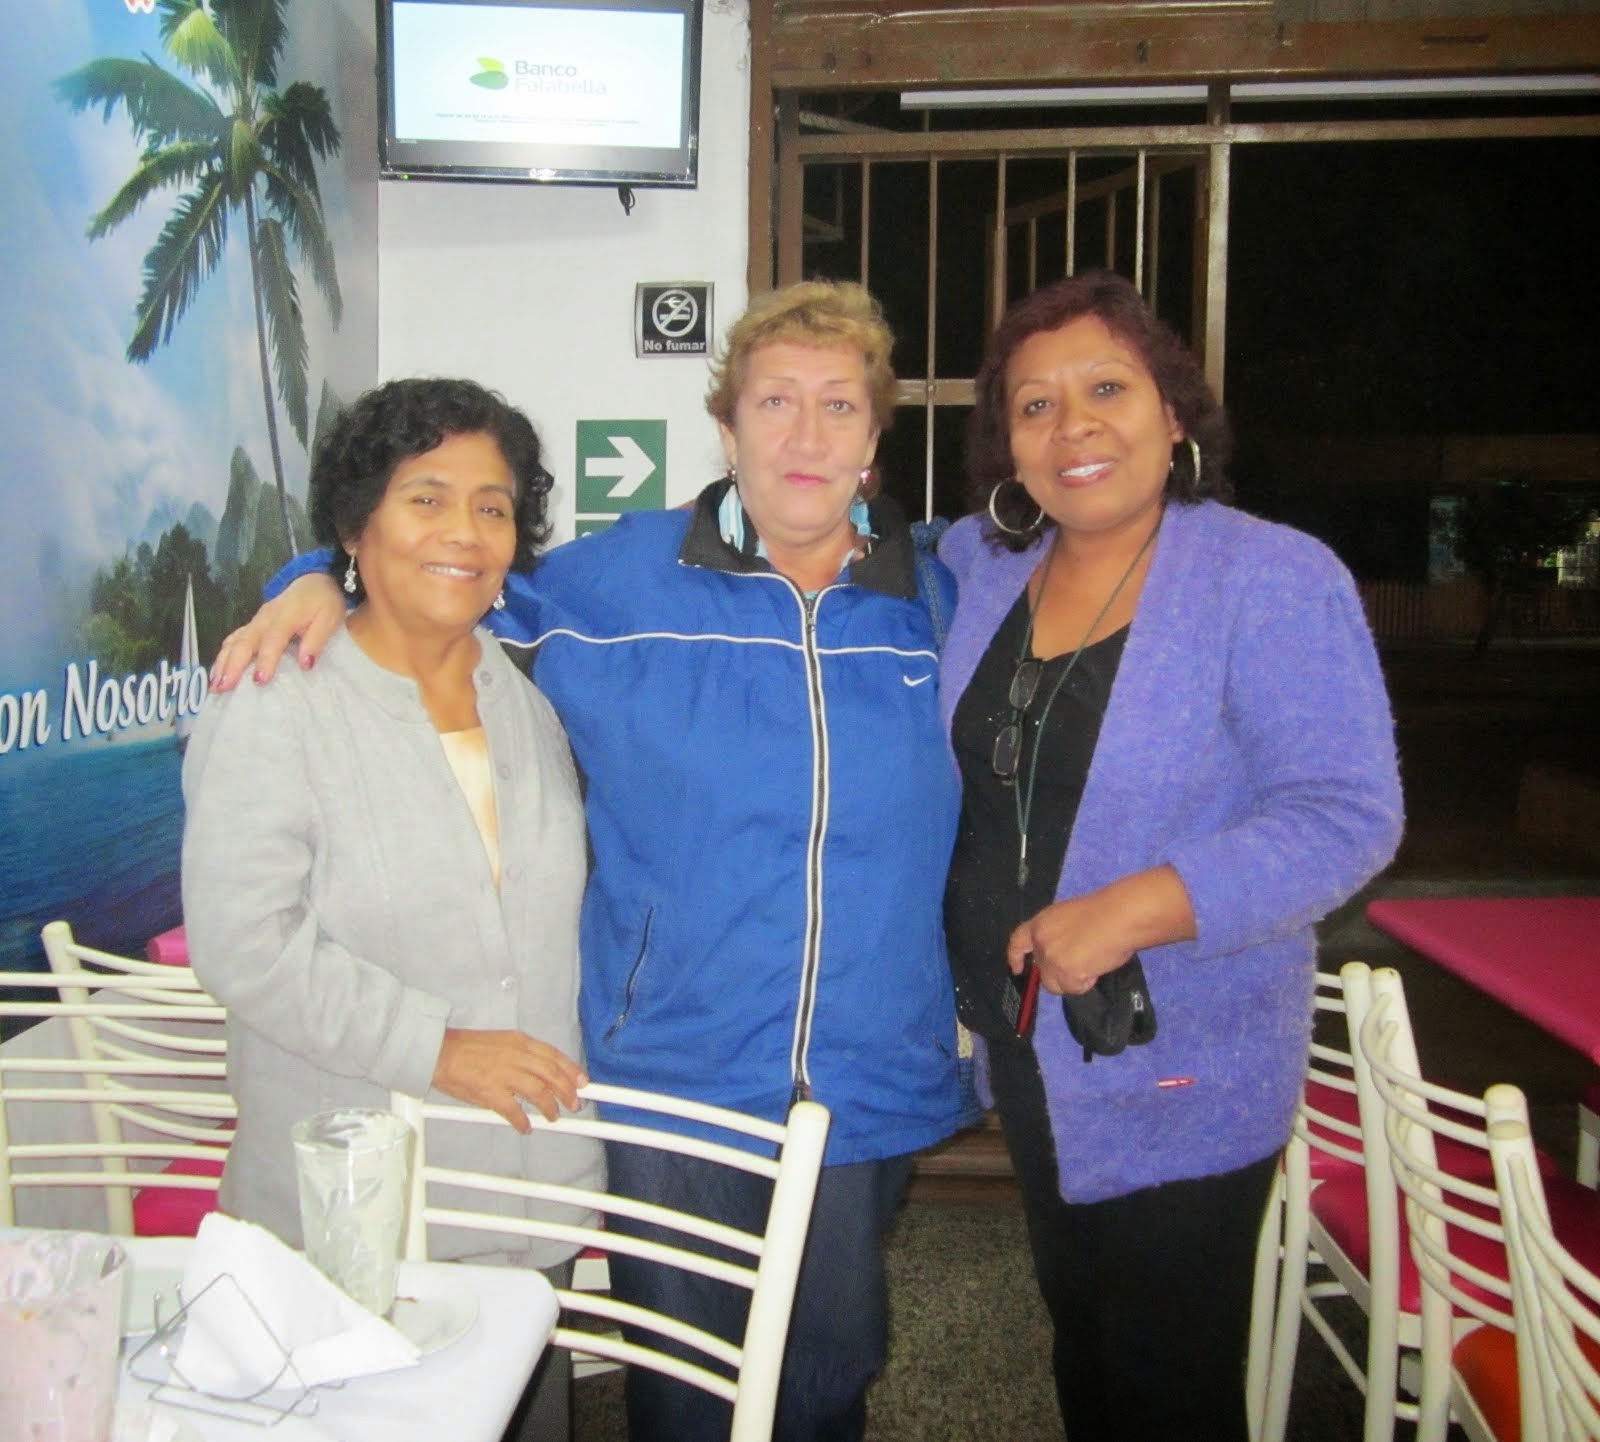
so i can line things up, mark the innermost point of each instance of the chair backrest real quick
(1556, 1298)
(745, 1375)
(122, 1073)
(1325, 1142)
(1457, 1238)
(1390, 1325)
(1444, 1207)
(1328, 1119)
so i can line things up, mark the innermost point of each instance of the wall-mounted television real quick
(575, 92)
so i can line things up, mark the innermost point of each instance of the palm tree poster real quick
(189, 239)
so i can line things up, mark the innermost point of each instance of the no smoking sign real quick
(671, 318)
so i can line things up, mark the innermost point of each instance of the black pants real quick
(1149, 1293)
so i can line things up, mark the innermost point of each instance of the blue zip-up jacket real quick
(771, 812)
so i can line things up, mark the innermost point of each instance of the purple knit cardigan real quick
(1248, 744)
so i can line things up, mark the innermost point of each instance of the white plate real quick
(153, 1277)
(432, 1308)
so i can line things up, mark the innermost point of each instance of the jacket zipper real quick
(811, 951)
(633, 976)
(811, 947)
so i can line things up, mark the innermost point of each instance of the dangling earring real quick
(350, 579)
(1013, 530)
(499, 602)
(733, 473)
(864, 481)
(1194, 455)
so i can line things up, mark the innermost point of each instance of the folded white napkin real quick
(226, 1350)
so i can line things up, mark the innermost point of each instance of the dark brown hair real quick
(390, 424)
(1171, 364)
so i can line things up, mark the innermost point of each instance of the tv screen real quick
(585, 92)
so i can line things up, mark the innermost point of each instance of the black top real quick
(982, 901)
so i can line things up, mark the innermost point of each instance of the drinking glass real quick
(351, 1164)
(60, 1330)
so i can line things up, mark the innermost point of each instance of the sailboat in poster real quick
(178, 691)
(188, 659)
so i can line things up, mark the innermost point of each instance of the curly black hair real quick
(1171, 364)
(390, 424)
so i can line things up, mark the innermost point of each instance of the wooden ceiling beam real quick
(886, 46)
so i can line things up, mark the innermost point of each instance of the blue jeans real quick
(838, 1334)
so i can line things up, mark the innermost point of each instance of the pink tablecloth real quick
(1539, 955)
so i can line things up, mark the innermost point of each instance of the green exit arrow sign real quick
(622, 466)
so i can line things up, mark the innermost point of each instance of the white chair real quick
(75, 1116)
(1327, 1148)
(1350, 1225)
(181, 1033)
(746, 1375)
(1455, 1229)
(1327, 1114)
(1453, 1223)
(1263, 1308)
(1556, 1299)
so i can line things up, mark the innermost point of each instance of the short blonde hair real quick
(815, 313)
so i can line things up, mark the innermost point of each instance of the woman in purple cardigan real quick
(1176, 752)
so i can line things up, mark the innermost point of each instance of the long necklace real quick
(1024, 790)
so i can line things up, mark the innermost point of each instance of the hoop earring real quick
(1194, 455)
(350, 578)
(1013, 530)
(499, 602)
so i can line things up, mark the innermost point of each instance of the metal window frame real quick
(1210, 145)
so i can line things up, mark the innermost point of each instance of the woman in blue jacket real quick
(750, 690)
(1175, 749)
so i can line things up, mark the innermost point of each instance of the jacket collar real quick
(889, 567)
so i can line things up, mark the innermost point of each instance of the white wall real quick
(529, 288)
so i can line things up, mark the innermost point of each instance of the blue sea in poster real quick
(90, 835)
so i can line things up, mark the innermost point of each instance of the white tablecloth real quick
(463, 1392)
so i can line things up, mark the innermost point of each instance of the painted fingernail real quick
(308, 662)
(261, 678)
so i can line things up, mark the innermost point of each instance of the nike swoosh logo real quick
(915, 680)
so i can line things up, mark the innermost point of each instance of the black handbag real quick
(1116, 1012)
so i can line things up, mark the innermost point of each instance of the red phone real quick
(1020, 999)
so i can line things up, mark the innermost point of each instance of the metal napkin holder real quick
(156, 1363)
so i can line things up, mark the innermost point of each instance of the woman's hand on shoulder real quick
(502, 1069)
(311, 609)
(1077, 941)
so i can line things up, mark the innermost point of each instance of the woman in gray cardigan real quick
(343, 884)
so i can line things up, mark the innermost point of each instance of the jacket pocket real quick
(630, 989)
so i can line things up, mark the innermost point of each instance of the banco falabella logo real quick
(493, 75)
